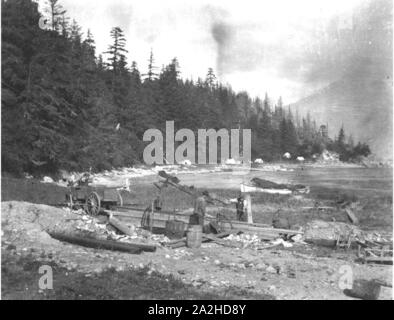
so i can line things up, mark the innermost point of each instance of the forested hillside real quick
(66, 106)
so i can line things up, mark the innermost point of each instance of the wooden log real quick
(120, 226)
(388, 260)
(353, 219)
(169, 243)
(135, 248)
(330, 243)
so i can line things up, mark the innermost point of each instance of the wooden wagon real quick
(93, 198)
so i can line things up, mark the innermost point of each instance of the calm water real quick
(372, 179)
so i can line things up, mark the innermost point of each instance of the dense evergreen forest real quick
(66, 106)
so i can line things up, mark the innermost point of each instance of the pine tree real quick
(171, 97)
(341, 137)
(75, 33)
(56, 12)
(267, 105)
(61, 103)
(89, 52)
(210, 79)
(151, 74)
(117, 51)
(64, 25)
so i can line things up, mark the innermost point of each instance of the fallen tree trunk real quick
(120, 226)
(135, 248)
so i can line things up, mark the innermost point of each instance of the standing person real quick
(240, 206)
(200, 205)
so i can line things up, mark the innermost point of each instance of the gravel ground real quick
(299, 272)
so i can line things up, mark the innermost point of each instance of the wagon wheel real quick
(93, 204)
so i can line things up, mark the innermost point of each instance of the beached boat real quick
(261, 185)
(245, 187)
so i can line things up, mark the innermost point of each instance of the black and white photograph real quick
(215, 151)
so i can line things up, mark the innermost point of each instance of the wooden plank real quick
(353, 219)
(132, 211)
(135, 216)
(169, 243)
(378, 259)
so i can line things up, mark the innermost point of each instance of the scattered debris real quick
(47, 180)
(246, 240)
(375, 252)
(115, 232)
(326, 232)
(297, 238)
(182, 242)
(279, 241)
(218, 240)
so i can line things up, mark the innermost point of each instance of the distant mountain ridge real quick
(357, 66)
(362, 100)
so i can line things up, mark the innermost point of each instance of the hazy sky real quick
(252, 45)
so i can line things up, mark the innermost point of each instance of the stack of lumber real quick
(134, 216)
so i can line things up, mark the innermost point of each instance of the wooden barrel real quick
(194, 236)
(175, 229)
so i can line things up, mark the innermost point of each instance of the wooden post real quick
(151, 217)
(248, 208)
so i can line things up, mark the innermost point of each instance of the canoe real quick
(262, 185)
(250, 188)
